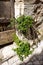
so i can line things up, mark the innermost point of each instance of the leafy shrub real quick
(23, 49)
(24, 22)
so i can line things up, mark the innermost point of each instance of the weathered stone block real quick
(6, 36)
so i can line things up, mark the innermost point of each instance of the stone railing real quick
(6, 36)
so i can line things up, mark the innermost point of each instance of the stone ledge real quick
(6, 36)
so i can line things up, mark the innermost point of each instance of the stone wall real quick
(29, 7)
(5, 9)
(34, 8)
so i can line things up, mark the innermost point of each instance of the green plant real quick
(23, 49)
(24, 22)
(12, 23)
(16, 39)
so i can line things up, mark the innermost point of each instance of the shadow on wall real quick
(5, 9)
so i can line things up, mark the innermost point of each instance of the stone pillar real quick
(19, 8)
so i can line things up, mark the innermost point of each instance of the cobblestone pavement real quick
(9, 57)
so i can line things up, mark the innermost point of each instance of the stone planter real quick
(6, 37)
